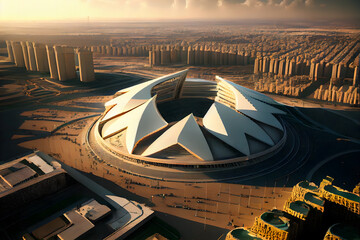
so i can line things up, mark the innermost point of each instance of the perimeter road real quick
(324, 128)
(323, 162)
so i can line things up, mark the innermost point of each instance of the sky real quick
(68, 10)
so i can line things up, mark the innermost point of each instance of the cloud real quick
(309, 3)
(178, 4)
(202, 4)
(165, 9)
(253, 3)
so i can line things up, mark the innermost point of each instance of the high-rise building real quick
(86, 65)
(52, 62)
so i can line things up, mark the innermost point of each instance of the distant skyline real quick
(97, 10)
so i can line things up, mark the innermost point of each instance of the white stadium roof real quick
(187, 134)
(253, 104)
(139, 123)
(249, 92)
(231, 127)
(135, 110)
(134, 96)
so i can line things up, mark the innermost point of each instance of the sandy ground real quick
(213, 203)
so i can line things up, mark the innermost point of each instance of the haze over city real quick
(97, 10)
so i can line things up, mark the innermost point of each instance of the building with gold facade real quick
(340, 231)
(241, 233)
(274, 225)
(327, 212)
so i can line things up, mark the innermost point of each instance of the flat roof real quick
(19, 176)
(340, 192)
(344, 231)
(49, 229)
(300, 206)
(306, 184)
(80, 225)
(40, 163)
(243, 234)
(275, 220)
(11, 169)
(93, 210)
(314, 199)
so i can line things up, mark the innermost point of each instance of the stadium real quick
(179, 122)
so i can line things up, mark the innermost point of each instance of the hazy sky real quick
(29, 10)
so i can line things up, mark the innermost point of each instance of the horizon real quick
(19, 11)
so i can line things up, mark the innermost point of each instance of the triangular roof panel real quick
(134, 96)
(236, 125)
(249, 92)
(187, 134)
(258, 110)
(139, 122)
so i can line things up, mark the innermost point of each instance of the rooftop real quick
(40, 163)
(79, 226)
(76, 205)
(19, 176)
(51, 228)
(340, 192)
(276, 220)
(22, 169)
(93, 210)
(344, 231)
(141, 118)
(243, 234)
(300, 206)
(309, 186)
(314, 199)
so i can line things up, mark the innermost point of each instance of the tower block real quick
(10, 51)
(86, 65)
(26, 55)
(52, 62)
(65, 61)
(18, 54)
(31, 55)
(42, 64)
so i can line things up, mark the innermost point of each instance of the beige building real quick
(18, 54)
(10, 51)
(42, 64)
(65, 61)
(52, 62)
(86, 65)
(26, 55)
(31, 55)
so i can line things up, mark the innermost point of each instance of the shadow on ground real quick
(117, 190)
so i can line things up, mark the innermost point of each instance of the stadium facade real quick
(239, 126)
